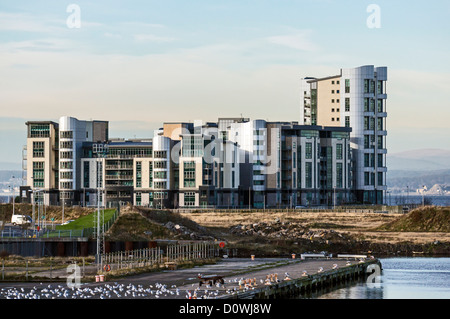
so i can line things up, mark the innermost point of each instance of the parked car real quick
(21, 220)
(67, 222)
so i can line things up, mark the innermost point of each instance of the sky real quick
(138, 64)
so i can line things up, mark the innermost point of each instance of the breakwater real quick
(312, 283)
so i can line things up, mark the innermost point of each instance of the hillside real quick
(141, 224)
(425, 219)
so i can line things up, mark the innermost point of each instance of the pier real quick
(333, 273)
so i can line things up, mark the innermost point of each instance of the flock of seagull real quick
(119, 290)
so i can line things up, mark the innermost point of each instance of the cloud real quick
(152, 38)
(298, 41)
(29, 23)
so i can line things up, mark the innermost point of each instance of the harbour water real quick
(403, 278)
(404, 199)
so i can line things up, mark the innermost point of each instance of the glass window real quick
(308, 150)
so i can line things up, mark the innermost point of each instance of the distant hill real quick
(6, 175)
(416, 179)
(10, 166)
(419, 160)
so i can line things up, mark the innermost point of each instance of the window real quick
(38, 174)
(347, 121)
(366, 178)
(189, 199)
(380, 87)
(347, 104)
(332, 91)
(160, 154)
(347, 85)
(332, 100)
(380, 142)
(38, 149)
(150, 174)
(66, 175)
(380, 178)
(380, 160)
(160, 174)
(66, 144)
(139, 174)
(85, 174)
(366, 141)
(366, 104)
(380, 124)
(339, 175)
(332, 110)
(66, 155)
(189, 174)
(66, 165)
(39, 130)
(379, 105)
(339, 151)
(66, 134)
(366, 160)
(66, 185)
(308, 150)
(308, 174)
(366, 85)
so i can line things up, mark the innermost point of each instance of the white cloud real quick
(298, 41)
(152, 38)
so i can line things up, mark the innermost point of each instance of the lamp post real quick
(13, 195)
(423, 194)
(101, 150)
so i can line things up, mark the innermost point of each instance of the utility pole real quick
(101, 150)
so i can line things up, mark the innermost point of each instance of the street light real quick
(424, 188)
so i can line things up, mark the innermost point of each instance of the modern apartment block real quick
(284, 164)
(355, 98)
(42, 160)
(54, 152)
(235, 162)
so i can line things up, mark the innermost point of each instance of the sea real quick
(402, 278)
(402, 199)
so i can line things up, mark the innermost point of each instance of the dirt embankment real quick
(283, 233)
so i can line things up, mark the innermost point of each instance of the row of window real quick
(369, 178)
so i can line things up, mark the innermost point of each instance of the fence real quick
(152, 256)
(49, 233)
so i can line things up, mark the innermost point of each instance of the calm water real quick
(401, 199)
(403, 278)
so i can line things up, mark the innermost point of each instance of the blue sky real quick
(140, 63)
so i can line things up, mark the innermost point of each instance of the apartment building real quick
(54, 152)
(42, 160)
(208, 169)
(355, 98)
(284, 164)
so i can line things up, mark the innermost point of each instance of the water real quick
(403, 278)
(403, 199)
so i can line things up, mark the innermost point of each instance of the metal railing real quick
(50, 233)
(153, 256)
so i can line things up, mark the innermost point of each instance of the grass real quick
(86, 221)
(425, 219)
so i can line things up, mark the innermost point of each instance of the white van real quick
(20, 219)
